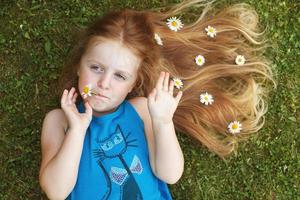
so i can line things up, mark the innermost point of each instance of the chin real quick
(101, 106)
(98, 112)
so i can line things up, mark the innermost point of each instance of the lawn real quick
(35, 38)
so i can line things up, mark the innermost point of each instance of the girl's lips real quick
(101, 96)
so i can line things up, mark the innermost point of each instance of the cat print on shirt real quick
(114, 146)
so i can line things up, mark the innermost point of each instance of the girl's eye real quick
(96, 68)
(121, 76)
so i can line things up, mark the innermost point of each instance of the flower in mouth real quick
(87, 91)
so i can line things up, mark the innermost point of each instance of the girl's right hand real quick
(75, 119)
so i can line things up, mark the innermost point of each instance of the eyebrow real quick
(118, 70)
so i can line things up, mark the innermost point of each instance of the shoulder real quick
(54, 125)
(56, 117)
(141, 106)
(55, 113)
(52, 135)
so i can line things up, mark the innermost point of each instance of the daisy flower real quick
(206, 98)
(87, 91)
(200, 60)
(158, 39)
(174, 24)
(211, 31)
(177, 83)
(235, 127)
(240, 60)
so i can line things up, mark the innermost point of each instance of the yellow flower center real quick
(86, 90)
(200, 60)
(174, 23)
(211, 30)
(206, 98)
(234, 126)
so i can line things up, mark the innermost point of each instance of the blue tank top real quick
(115, 163)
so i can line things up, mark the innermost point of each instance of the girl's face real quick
(111, 69)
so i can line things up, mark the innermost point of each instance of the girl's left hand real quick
(161, 102)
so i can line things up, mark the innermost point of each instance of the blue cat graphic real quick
(114, 146)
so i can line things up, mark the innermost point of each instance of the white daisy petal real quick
(174, 24)
(84, 95)
(235, 127)
(178, 83)
(87, 91)
(211, 31)
(206, 98)
(200, 60)
(158, 39)
(240, 60)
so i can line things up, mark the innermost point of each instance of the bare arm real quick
(166, 157)
(169, 162)
(61, 153)
(58, 174)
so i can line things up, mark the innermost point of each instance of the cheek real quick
(84, 80)
(82, 83)
(124, 89)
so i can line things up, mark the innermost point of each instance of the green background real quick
(35, 38)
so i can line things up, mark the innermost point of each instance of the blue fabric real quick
(115, 160)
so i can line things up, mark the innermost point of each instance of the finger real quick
(160, 81)
(74, 97)
(64, 97)
(178, 96)
(70, 95)
(151, 96)
(171, 87)
(166, 82)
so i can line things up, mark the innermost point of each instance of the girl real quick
(111, 142)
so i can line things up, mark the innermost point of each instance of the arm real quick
(169, 162)
(166, 157)
(60, 163)
(61, 153)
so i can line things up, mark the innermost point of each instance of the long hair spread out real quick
(239, 91)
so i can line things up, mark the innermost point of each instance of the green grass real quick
(31, 56)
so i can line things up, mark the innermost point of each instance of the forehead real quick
(112, 54)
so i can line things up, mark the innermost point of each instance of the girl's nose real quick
(104, 81)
